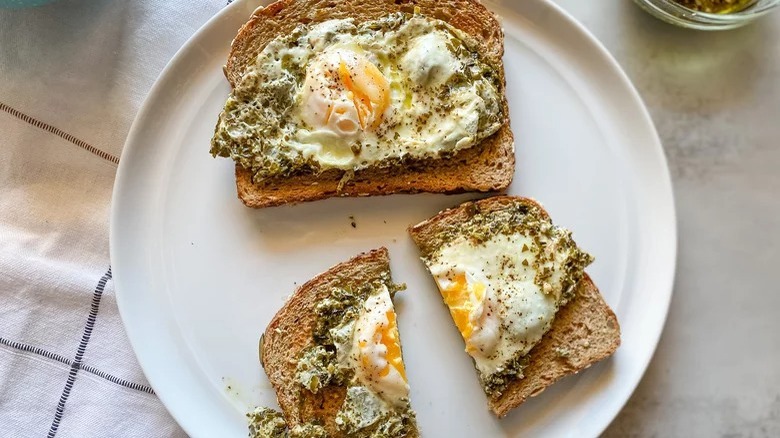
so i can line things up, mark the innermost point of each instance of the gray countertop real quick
(715, 100)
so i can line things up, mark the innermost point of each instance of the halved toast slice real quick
(307, 397)
(487, 166)
(584, 329)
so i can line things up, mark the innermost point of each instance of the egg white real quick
(370, 356)
(518, 311)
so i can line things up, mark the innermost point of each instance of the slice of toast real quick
(291, 331)
(488, 166)
(584, 331)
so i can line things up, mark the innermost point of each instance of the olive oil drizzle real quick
(717, 6)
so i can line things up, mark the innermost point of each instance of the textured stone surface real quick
(715, 99)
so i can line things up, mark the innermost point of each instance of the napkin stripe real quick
(118, 380)
(55, 424)
(74, 368)
(87, 368)
(58, 132)
(39, 351)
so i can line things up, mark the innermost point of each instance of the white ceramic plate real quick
(198, 275)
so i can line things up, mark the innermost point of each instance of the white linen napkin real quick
(72, 77)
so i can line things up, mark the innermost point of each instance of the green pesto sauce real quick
(317, 369)
(362, 416)
(528, 220)
(308, 431)
(266, 423)
(363, 413)
(495, 384)
(254, 115)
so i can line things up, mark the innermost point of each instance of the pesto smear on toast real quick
(504, 274)
(355, 347)
(344, 95)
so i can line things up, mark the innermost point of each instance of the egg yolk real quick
(344, 93)
(388, 336)
(367, 88)
(463, 298)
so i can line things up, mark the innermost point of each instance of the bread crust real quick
(583, 332)
(486, 167)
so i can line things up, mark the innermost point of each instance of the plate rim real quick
(666, 284)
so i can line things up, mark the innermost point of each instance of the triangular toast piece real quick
(355, 292)
(584, 329)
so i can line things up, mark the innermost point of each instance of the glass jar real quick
(675, 13)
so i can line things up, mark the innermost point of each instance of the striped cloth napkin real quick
(72, 76)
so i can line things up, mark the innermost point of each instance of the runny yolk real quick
(392, 343)
(458, 298)
(368, 90)
(389, 338)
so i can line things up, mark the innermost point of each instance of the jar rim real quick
(675, 13)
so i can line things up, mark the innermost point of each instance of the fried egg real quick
(376, 350)
(494, 296)
(342, 95)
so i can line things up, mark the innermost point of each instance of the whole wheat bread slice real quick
(583, 332)
(290, 332)
(488, 166)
